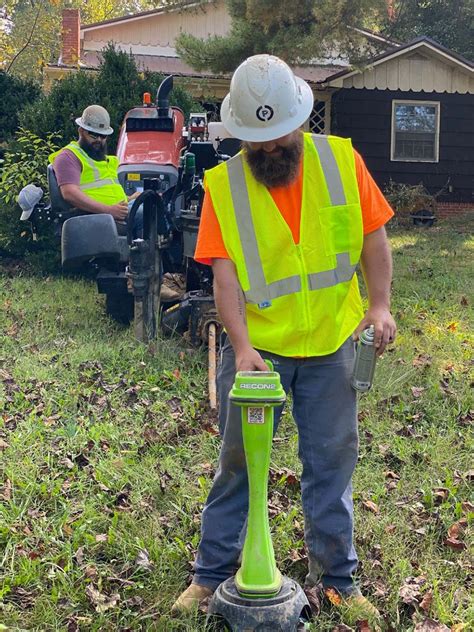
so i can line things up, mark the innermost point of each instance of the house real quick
(410, 111)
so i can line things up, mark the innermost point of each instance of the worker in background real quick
(88, 179)
(86, 175)
(284, 225)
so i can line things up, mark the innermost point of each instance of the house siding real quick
(366, 117)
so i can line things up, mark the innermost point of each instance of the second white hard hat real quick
(96, 119)
(266, 100)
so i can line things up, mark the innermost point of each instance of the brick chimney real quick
(71, 37)
(390, 10)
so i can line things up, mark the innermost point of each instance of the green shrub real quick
(25, 162)
(16, 94)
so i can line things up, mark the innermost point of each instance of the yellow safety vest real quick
(302, 299)
(99, 179)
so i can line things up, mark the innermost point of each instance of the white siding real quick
(418, 73)
(158, 32)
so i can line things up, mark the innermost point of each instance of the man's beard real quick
(96, 153)
(275, 171)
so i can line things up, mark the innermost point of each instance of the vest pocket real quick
(341, 228)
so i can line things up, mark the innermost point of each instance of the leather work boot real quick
(362, 606)
(354, 608)
(173, 286)
(191, 598)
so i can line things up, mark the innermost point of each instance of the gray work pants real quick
(324, 409)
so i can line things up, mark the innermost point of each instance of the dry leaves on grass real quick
(430, 625)
(370, 506)
(143, 560)
(454, 532)
(410, 592)
(421, 360)
(6, 490)
(101, 602)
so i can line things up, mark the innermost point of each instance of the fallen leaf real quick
(101, 602)
(333, 596)
(79, 555)
(458, 627)
(6, 490)
(176, 373)
(464, 302)
(370, 506)
(440, 494)
(417, 391)
(143, 560)
(90, 571)
(469, 475)
(457, 528)
(452, 326)
(430, 625)
(3, 444)
(5, 376)
(422, 360)
(342, 627)
(410, 592)
(467, 507)
(101, 537)
(425, 603)
(363, 626)
(457, 545)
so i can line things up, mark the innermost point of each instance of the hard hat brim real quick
(105, 132)
(270, 132)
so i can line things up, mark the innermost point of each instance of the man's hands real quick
(119, 211)
(249, 360)
(73, 194)
(385, 328)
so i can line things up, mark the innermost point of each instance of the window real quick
(415, 131)
(319, 120)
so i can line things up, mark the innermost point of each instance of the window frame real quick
(437, 105)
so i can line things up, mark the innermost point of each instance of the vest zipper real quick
(304, 293)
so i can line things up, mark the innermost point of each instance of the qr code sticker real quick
(255, 416)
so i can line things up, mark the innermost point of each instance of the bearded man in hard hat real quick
(86, 175)
(284, 225)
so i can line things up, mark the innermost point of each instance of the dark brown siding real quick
(365, 116)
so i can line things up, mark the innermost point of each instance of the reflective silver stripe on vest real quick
(98, 183)
(260, 291)
(344, 272)
(330, 170)
(89, 161)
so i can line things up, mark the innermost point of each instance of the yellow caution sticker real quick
(133, 176)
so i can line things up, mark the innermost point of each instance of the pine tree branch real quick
(30, 37)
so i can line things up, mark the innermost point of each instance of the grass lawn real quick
(107, 452)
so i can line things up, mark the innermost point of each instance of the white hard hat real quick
(28, 198)
(96, 119)
(266, 100)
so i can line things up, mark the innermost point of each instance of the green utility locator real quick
(257, 393)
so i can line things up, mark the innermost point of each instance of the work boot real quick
(173, 286)
(354, 608)
(192, 597)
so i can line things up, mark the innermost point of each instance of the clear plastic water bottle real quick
(364, 364)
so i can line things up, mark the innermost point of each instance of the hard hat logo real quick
(265, 113)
